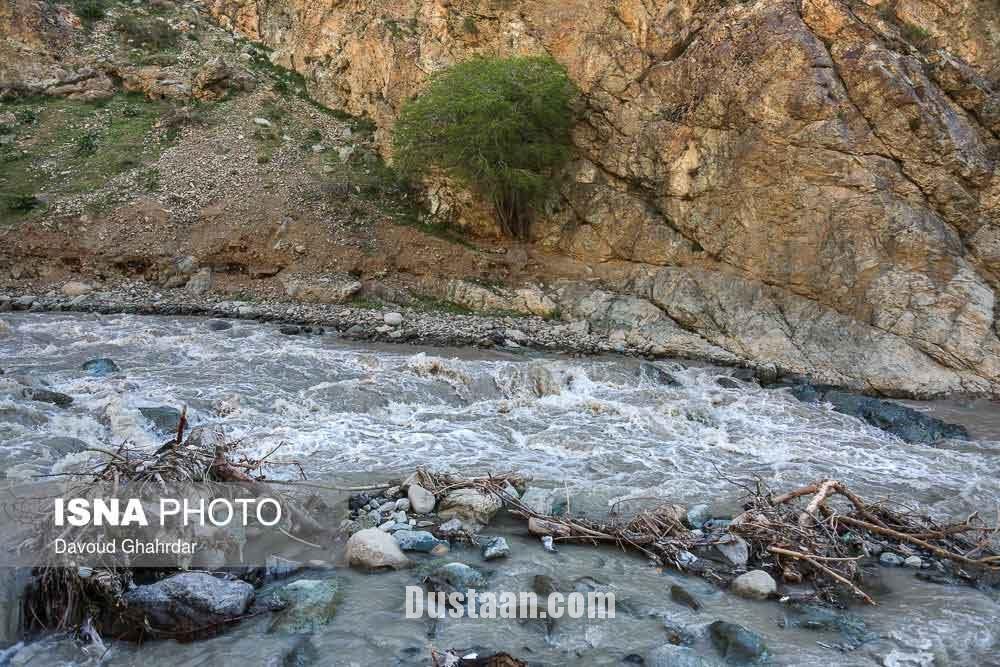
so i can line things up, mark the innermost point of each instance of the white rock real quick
(76, 288)
(373, 549)
(392, 319)
(421, 500)
(755, 585)
(263, 122)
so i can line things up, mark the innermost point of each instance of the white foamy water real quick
(346, 408)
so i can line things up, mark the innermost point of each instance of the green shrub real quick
(86, 144)
(89, 10)
(499, 125)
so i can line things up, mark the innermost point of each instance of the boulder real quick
(321, 289)
(393, 319)
(906, 423)
(310, 604)
(421, 500)
(100, 367)
(187, 602)
(165, 419)
(47, 396)
(419, 540)
(76, 288)
(375, 549)
(219, 325)
(455, 577)
(682, 596)
(754, 585)
(736, 643)
(200, 282)
(494, 547)
(470, 506)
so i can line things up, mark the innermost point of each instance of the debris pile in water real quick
(824, 544)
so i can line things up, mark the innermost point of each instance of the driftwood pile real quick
(819, 534)
(63, 596)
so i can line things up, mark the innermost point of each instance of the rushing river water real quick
(603, 428)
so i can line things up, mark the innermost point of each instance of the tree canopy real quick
(499, 125)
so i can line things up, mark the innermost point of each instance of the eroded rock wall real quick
(821, 175)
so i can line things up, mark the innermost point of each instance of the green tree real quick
(501, 126)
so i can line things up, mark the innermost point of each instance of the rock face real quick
(805, 183)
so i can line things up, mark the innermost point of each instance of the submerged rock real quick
(906, 423)
(165, 419)
(670, 655)
(187, 602)
(680, 595)
(375, 549)
(736, 643)
(311, 603)
(101, 367)
(47, 396)
(455, 577)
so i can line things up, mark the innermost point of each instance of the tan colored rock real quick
(373, 549)
(321, 289)
(469, 506)
(77, 288)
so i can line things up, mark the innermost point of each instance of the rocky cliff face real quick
(806, 182)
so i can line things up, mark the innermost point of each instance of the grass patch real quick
(75, 147)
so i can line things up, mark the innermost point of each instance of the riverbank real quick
(369, 320)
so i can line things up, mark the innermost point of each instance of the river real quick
(603, 428)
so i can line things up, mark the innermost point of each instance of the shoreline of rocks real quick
(397, 325)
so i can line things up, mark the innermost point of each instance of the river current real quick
(603, 428)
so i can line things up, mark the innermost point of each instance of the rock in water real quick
(375, 549)
(455, 577)
(736, 643)
(421, 500)
(470, 506)
(906, 423)
(47, 396)
(311, 603)
(495, 547)
(755, 585)
(670, 655)
(418, 540)
(680, 595)
(101, 367)
(187, 602)
(165, 419)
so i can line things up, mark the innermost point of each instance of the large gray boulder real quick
(186, 603)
